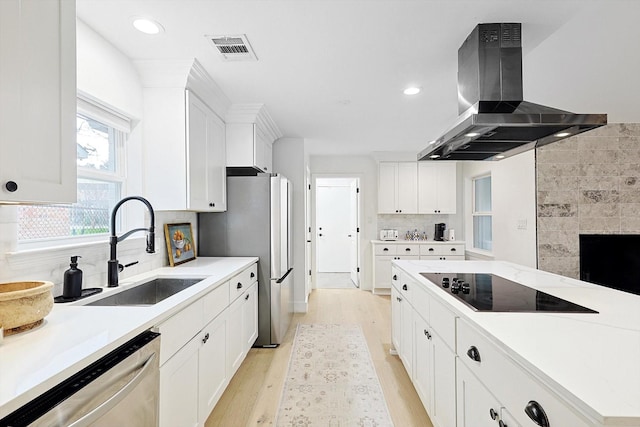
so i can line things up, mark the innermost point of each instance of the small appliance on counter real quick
(450, 234)
(438, 234)
(388, 234)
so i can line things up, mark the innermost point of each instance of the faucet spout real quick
(112, 264)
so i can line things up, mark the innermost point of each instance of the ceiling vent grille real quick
(233, 48)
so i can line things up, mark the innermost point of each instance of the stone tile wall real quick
(588, 184)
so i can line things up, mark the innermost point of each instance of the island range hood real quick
(495, 122)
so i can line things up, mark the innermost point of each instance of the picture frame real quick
(181, 247)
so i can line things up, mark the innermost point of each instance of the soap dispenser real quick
(72, 287)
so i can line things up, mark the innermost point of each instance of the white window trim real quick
(475, 213)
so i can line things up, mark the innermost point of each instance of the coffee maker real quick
(438, 234)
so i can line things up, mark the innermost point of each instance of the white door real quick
(332, 222)
(354, 230)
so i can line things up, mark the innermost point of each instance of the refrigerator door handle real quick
(281, 279)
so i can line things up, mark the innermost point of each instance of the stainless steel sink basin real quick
(148, 293)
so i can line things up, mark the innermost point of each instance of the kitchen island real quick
(584, 368)
(74, 336)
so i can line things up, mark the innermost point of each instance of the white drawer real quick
(241, 282)
(177, 330)
(408, 249)
(443, 322)
(385, 249)
(215, 302)
(442, 257)
(407, 285)
(442, 249)
(420, 301)
(512, 385)
(395, 277)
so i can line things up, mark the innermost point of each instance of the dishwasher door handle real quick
(117, 397)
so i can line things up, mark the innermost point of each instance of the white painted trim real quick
(300, 307)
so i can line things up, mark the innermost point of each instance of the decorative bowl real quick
(23, 305)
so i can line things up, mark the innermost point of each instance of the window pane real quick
(95, 145)
(482, 188)
(482, 232)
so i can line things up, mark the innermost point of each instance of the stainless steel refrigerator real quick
(257, 223)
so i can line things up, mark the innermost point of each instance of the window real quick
(482, 231)
(100, 146)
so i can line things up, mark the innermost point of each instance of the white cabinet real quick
(250, 135)
(243, 317)
(38, 101)
(395, 319)
(184, 144)
(442, 251)
(213, 375)
(397, 188)
(477, 407)
(179, 387)
(437, 183)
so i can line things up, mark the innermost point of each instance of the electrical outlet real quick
(522, 224)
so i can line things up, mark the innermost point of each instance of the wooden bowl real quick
(23, 305)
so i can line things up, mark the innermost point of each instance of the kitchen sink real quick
(148, 293)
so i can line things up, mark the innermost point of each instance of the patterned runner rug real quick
(331, 381)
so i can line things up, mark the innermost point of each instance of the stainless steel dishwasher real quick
(120, 389)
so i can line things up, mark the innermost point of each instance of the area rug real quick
(331, 381)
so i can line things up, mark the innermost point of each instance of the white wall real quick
(290, 160)
(108, 76)
(513, 205)
(366, 169)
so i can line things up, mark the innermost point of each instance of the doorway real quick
(337, 223)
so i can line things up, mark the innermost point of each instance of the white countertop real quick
(593, 358)
(73, 336)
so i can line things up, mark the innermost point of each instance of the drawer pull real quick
(427, 334)
(430, 249)
(408, 249)
(474, 354)
(536, 413)
(493, 414)
(252, 275)
(502, 424)
(395, 277)
(247, 297)
(385, 250)
(404, 287)
(453, 249)
(239, 285)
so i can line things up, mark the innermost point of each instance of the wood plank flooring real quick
(254, 392)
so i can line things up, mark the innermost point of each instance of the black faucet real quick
(113, 267)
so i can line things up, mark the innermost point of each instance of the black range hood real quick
(495, 122)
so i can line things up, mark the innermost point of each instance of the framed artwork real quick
(180, 245)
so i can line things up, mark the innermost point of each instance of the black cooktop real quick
(488, 292)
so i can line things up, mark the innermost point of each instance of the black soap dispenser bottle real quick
(72, 287)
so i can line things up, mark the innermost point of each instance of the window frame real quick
(96, 110)
(484, 214)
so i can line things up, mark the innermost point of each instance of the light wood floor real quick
(254, 392)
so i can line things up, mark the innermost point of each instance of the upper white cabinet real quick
(436, 188)
(37, 101)
(398, 188)
(250, 135)
(184, 138)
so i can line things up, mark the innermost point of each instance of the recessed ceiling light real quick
(412, 90)
(147, 26)
(562, 134)
(471, 134)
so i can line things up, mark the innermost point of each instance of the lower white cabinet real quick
(197, 362)
(477, 407)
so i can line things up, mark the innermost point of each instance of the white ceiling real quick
(333, 71)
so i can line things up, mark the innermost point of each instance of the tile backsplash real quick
(588, 184)
(50, 264)
(403, 223)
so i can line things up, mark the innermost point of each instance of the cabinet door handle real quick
(252, 275)
(212, 204)
(399, 299)
(404, 287)
(247, 297)
(473, 353)
(206, 338)
(11, 186)
(395, 277)
(239, 285)
(493, 414)
(502, 424)
(427, 334)
(536, 413)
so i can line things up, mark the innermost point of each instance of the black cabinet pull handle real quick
(493, 414)
(536, 413)
(239, 285)
(473, 353)
(405, 288)
(399, 299)
(206, 338)
(247, 297)
(408, 249)
(427, 334)
(430, 249)
(395, 277)
(11, 186)
(212, 204)
(385, 250)
(502, 424)
(252, 275)
(453, 249)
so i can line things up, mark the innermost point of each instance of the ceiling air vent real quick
(234, 48)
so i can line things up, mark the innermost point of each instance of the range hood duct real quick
(494, 120)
